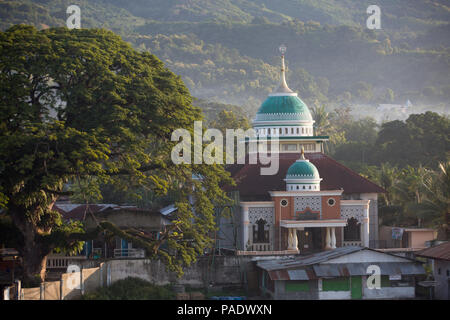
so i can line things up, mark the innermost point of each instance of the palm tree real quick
(388, 179)
(436, 205)
(410, 189)
(321, 118)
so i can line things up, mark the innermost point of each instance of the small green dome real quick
(283, 107)
(302, 169)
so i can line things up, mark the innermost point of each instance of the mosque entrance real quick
(310, 240)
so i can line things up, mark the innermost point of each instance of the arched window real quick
(260, 231)
(352, 232)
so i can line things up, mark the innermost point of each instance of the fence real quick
(71, 286)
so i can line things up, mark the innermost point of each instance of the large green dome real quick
(302, 169)
(283, 107)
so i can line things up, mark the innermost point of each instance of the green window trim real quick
(296, 286)
(336, 284)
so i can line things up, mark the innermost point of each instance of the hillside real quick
(226, 50)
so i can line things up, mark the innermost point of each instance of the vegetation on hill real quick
(226, 51)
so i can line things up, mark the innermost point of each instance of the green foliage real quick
(423, 139)
(132, 289)
(82, 106)
(228, 120)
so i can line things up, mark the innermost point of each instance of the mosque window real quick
(303, 130)
(286, 130)
(268, 131)
(260, 232)
(331, 202)
(281, 131)
(298, 130)
(289, 147)
(352, 232)
(304, 187)
(292, 130)
(309, 187)
(284, 202)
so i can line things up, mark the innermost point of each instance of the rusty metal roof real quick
(359, 269)
(299, 274)
(300, 261)
(441, 252)
(334, 270)
(315, 266)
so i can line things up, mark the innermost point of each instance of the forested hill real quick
(226, 50)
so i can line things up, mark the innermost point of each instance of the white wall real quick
(334, 295)
(389, 293)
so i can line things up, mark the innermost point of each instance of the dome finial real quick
(302, 154)
(283, 88)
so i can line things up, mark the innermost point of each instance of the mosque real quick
(312, 204)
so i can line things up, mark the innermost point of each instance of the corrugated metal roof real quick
(167, 210)
(298, 274)
(314, 266)
(441, 251)
(307, 260)
(279, 275)
(327, 270)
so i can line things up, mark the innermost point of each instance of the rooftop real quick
(253, 186)
(440, 252)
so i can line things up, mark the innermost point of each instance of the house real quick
(148, 223)
(341, 273)
(440, 257)
(412, 239)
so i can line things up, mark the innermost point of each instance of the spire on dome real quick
(283, 88)
(302, 154)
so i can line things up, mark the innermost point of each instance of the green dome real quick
(288, 107)
(302, 169)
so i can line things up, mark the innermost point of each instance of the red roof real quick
(253, 186)
(441, 251)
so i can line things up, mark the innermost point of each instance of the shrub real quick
(132, 289)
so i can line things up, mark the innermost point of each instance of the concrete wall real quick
(31, 293)
(441, 290)
(52, 290)
(334, 295)
(222, 271)
(418, 238)
(71, 286)
(389, 293)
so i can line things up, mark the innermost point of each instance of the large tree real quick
(82, 105)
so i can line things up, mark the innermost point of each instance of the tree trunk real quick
(34, 259)
(33, 252)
